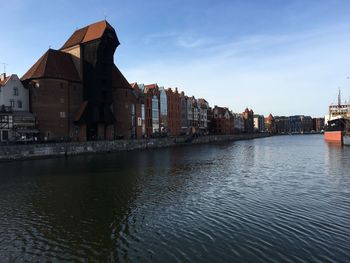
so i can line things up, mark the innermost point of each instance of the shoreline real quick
(10, 153)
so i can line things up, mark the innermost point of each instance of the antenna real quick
(4, 64)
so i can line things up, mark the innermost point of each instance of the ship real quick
(338, 122)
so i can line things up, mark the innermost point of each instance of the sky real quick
(284, 57)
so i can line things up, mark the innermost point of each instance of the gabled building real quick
(183, 112)
(238, 121)
(13, 94)
(270, 125)
(77, 92)
(223, 122)
(152, 108)
(203, 107)
(248, 116)
(16, 122)
(174, 112)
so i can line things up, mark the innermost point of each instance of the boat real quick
(337, 122)
(335, 130)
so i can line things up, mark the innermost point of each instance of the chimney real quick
(2, 76)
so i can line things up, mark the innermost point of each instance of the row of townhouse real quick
(293, 124)
(77, 93)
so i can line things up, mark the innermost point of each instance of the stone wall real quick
(37, 151)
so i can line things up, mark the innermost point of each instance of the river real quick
(276, 199)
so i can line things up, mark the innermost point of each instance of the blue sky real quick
(278, 56)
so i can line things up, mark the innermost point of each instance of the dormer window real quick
(15, 91)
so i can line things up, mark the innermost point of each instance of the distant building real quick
(174, 111)
(282, 125)
(293, 124)
(318, 124)
(238, 121)
(203, 107)
(259, 123)
(190, 122)
(248, 116)
(163, 113)
(183, 112)
(152, 108)
(223, 122)
(270, 125)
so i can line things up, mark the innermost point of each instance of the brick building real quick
(318, 124)
(248, 116)
(78, 93)
(222, 122)
(152, 108)
(270, 124)
(174, 112)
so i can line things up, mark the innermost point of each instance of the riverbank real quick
(39, 151)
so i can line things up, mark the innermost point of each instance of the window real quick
(12, 103)
(62, 114)
(19, 104)
(15, 91)
(5, 135)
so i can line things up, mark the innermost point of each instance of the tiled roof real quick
(2, 83)
(88, 33)
(53, 64)
(150, 87)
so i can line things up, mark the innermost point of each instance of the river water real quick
(277, 199)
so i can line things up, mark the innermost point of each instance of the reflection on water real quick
(280, 199)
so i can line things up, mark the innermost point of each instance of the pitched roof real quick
(88, 33)
(53, 64)
(3, 83)
(118, 80)
(150, 87)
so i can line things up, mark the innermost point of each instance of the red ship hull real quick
(334, 136)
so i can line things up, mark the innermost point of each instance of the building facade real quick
(78, 93)
(248, 116)
(16, 122)
(174, 111)
(259, 123)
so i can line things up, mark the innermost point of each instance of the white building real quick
(203, 106)
(12, 93)
(238, 122)
(16, 122)
(259, 123)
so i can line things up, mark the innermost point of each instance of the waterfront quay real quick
(274, 199)
(50, 150)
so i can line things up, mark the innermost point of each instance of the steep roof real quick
(88, 33)
(53, 64)
(3, 83)
(118, 79)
